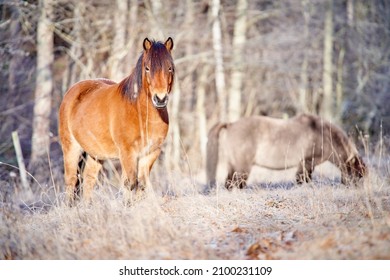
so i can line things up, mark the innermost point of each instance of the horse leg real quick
(242, 175)
(242, 178)
(305, 169)
(229, 183)
(237, 178)
(91, 171)
(344, 170)
(145, 166)
(72, 153)
(129, 163)
(345, 175)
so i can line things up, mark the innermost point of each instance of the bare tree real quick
(218, 56)
(239, 39)
(327, 79)
(15, 64)
(132, 32)
(201, 112)
(303, 87)
(118, 50)
(44, 84)
(75, 51)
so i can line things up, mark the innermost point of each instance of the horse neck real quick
(342, 147)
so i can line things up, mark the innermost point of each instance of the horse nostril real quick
(164, 99)
(160, 102)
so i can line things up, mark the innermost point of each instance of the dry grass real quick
(321, 220)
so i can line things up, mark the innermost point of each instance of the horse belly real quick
(96, 141)
(91, 125)
(276, 157)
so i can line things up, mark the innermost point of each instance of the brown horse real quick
(303, 142)
(126, 121)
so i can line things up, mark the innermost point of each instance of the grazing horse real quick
(126, 121)
(303, 141)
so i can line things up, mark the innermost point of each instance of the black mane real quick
(130, 86)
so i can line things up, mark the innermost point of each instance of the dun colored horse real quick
(126, 121)
(303, 142)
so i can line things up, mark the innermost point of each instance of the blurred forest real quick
(233, 58)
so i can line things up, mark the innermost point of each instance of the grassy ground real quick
(273, 220)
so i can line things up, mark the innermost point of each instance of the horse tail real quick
(212, 153)
(80, 169)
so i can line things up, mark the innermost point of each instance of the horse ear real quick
(147, 44)
(169, 44)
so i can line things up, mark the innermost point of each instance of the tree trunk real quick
(218, 56)
(132, 48)
(239, 39)
(15, 64)
(173, 145)
(327, 102)
(118, 50)
(75, 51)
(340, 83)
(189, 50)
(303, 87)
(155, 12)
(350, 12)
(44, 85)
(201, 111)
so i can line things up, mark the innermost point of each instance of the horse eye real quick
(170, 69)
(147, 69)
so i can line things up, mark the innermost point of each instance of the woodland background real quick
(233, 59)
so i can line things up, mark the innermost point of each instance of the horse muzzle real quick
(158, 102)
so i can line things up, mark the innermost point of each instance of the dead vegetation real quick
(320, 220)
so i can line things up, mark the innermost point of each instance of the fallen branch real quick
(19, 157)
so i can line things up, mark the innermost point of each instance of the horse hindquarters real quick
(72, 149)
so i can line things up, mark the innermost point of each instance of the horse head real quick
(356, 168)
(158, 71)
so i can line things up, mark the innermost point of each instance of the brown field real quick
(274, 220)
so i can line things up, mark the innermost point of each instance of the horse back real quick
(271, 142)
(85, 97)
(87, 88)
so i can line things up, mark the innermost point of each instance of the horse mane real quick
(332, 133)
(106, 81)
(130, 85)
(338, 137)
